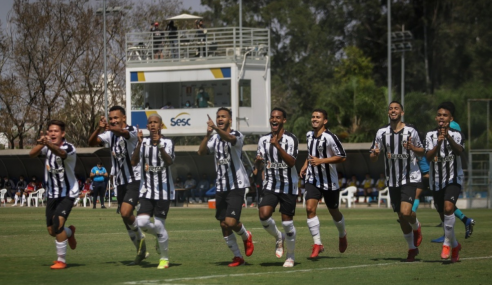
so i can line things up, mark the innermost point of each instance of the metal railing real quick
(210, 44)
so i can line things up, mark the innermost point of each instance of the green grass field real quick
(198, 253)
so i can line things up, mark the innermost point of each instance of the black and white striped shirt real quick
(446, 167)
(279, 177)
(401, 166)
(59, 174)
(157, 181)
(231, 173)
(323, 176)
(121, 152)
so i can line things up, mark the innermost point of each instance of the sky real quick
(6, 6)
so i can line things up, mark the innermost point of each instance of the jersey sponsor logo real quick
(397, 156)
(444, 159)
(223, 161)
(54, 171)
(181, 122)
(276, 165)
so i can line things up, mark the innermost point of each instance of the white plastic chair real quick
(2, 196)
(87, 198)
(245, 199)
(384, 194)
(347, 195)
(36, 196)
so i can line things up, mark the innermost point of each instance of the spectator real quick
(381, 183)
(32, 186)
(157, 36)
(99, 175)
(353, 181)
(9, 185)
(188, 104)
(202, 98)
(21, 185)
(367, 187)
(86, 190)
(342, 181)
(173, 36)
(147, 106)
(189, 185)
(301, 185)
(201, 36)
(168, 106)
(202, 187)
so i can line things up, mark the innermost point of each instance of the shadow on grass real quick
(226, 263)
(154, 265)
(276, 264)
(319, 258)
(391, 259)
(444, 262)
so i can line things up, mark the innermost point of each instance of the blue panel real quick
(226, 72)
(134, 76)
(140, 119)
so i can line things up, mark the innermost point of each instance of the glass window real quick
(172, 95)
(244, 93)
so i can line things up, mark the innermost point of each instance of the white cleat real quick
(279, 247)
(289, 262)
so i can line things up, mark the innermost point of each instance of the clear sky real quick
(6, 6)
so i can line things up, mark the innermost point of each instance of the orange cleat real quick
(58, 265)
(248, 245)
(445, 252)
(71, 240)
(411, 254)
(236, 261)
(342, 244)
(455, 253)
(317, 249)
(417, 236)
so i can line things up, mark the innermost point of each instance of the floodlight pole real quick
(403, 79)
(241, 24)
(389, 50)
(105, 64)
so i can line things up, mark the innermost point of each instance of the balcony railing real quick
(208, 45)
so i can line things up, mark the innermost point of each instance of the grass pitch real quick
(199, 255)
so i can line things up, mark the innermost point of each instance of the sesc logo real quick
(180, 122)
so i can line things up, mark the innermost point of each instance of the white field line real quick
(166, 281)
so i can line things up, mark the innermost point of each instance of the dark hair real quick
(118, 108)
(59, 123)
(280, 110)
(99, 162)
(401, 106)
(321, 111)
(225, 109)
(447, 106)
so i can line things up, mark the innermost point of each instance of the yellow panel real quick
(217, 72)
(141, 76)
(148, 113)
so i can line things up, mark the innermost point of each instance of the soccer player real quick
(443, 148)
(231, 182)
(155, 154)
(122, 140)
(277, 153)
(400, 144)
(62, 187)
(324, 151)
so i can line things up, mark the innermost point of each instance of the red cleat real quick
(248, 245)
(417, 236)
(411, 254)
(317, 249)
(236, 261)
(455, 253)
(342, 244)
(58, 265)
(71, 240)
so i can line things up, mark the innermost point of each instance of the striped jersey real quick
(446, 167)
(279, 177)
(121, 152)
(323, 176)
(59, 174)
(401, 166)
(231, 173)
(157, 181)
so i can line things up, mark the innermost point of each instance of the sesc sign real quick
(181, 120)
